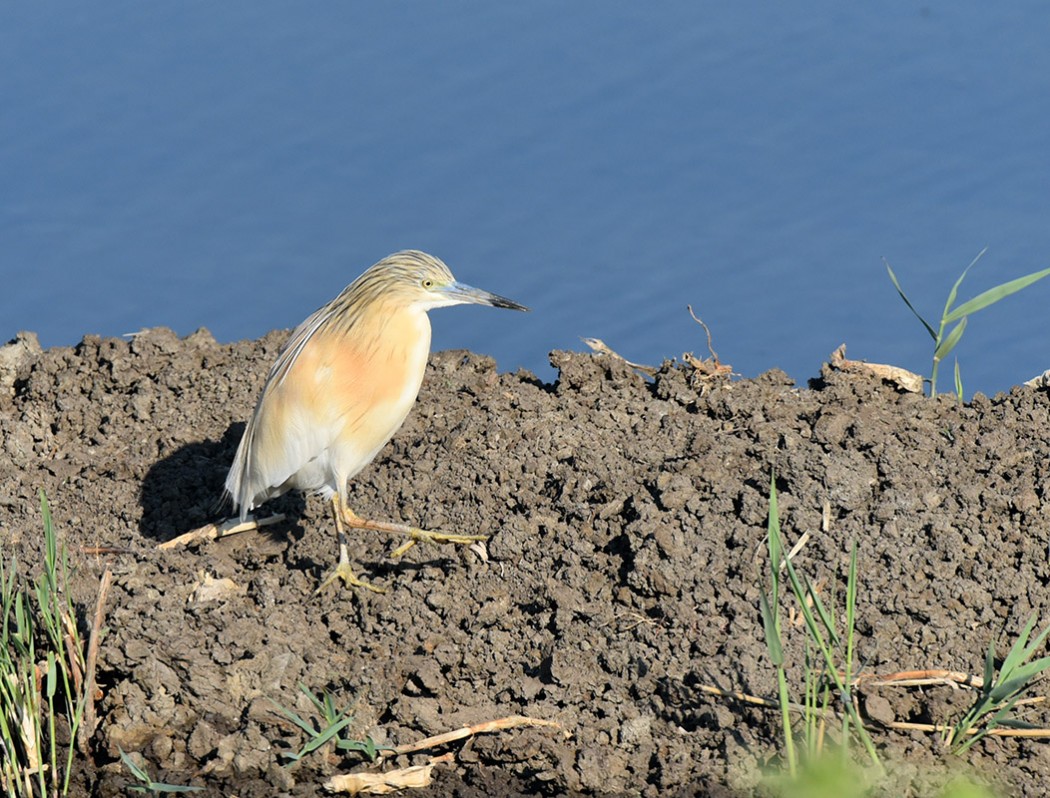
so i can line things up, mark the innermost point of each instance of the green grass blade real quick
(298, 721)
(769, 624)
(773, 522)
(52, 676)
(949, 342)
(993, 295)
(1038, 642)
(969, 742)
(822, 611)
(331, 714)
(366, 746)
(958, 381)
(989, 665)
(1015, 723)
(1020, 678)
(318, 705)
(897, 285)
(851, 609)
(324, 737)
(1016, 655)
(1003, 713)
(136, 771)
(1025, 673)
(773, 542)
(50, 544)
(785, 720)
(955, 289)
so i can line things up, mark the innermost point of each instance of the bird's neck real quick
(404, 331)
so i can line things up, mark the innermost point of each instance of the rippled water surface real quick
(234, 165)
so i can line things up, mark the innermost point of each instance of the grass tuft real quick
(42, 684)
(146, 782)
(955, 317)
(829, 664)
(1001, 690)
(332, 722)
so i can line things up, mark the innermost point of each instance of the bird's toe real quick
(343, 572)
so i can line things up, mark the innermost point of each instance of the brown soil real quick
(627, 518)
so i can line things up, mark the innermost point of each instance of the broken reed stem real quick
(69, 632)
(899, 679)
(954, 679)
(502, 724)
(754, 700)
(996, 732)
(90, 720)
(920, 678)
(232, 526)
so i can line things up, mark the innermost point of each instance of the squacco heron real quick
(341, 387)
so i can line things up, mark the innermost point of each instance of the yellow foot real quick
(426, 536)
(345, 572)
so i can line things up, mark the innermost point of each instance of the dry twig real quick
(999, 731)
(502, 724)
(954, 679)
(712, 368)
(920, 678)
(233, 526)
(90, 721)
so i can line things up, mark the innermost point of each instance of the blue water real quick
(233, 165)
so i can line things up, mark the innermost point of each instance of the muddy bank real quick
(626, 518)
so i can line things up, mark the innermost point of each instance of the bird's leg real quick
(343, 570)
(415, 535)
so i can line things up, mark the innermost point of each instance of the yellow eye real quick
(428, 283)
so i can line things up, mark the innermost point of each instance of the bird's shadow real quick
(184, 490)
(386, 570)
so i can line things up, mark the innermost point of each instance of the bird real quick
(341, 386)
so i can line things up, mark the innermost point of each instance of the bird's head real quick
(423, 281)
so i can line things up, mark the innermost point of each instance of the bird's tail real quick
(235, 490)
(224, 504)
